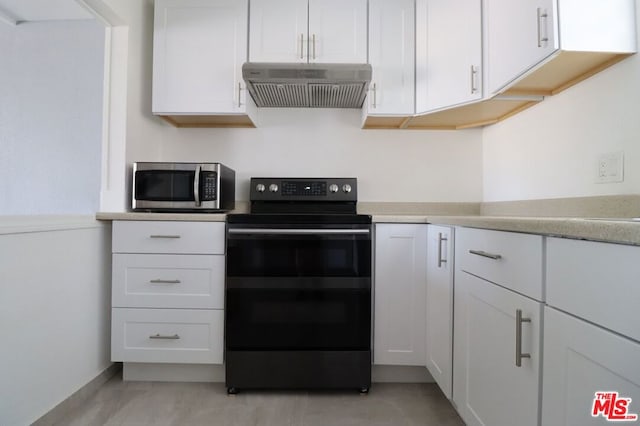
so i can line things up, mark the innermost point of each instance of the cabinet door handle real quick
(519, 321)
(441, 239)
(239, 95)
(485, 254)
(159, 281)
(314, 46)
(542, 38)
(301, 46)
(375, 96)
(164, 337)
(165, 236)
(474, 79)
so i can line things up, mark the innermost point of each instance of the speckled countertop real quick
(608, 230)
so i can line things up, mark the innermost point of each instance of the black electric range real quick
(298, 288)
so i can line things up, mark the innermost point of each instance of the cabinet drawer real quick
(168, 281)
(595, 281)
(168, 237)
(509, 259)
(167, 335)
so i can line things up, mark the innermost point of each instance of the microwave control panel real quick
(208, 186)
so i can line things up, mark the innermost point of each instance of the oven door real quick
(298, 288)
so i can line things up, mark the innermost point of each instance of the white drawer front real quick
(509, 259)
(167, 335)
(599, 282)
(168, 237)
(168, 281)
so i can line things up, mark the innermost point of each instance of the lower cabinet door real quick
(489, 389)
(167, 335)
(582, 360)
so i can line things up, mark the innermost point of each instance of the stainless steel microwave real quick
(206, 187)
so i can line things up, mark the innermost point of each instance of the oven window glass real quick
(300, 256)
(292, 319)
(164, 185)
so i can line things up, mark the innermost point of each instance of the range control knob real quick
(273, 187)
(260, 187)
(346, 188)
(333, 188)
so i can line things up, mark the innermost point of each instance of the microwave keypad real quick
(208, 186)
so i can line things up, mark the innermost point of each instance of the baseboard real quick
(76, 399)
(400, 374)
(132, 371)
(215, 373)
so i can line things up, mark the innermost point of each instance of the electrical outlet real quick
(610, 167)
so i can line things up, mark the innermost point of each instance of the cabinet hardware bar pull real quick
(441, 238)
(165, 281)
(485, 254)
(519, 321)
(314, 47)
(159, 336)
(301, 46)
(375, 96)
(474, 75)
(165, 236)
(542, 14)
(239, 95)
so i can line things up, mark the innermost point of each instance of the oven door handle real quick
(265, 231)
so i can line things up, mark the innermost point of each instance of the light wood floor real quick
(190, 404)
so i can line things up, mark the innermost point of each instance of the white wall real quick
(390, 165)
(551, 150)
(50, 117)
(55, 299)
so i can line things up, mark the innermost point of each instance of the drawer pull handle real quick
(160, 336)
(165, 236)
(485, 254)
(441, 239)
(165, 281)
(519, 321)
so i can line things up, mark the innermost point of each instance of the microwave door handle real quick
(196, 187)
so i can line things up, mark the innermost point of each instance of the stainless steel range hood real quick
(307, 85)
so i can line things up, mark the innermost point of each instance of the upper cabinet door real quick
(278, 31)
(519, 34)
(199, 49)
(392, 57)
(448, 53)
(338, 31)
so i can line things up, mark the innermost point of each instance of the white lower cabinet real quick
(498, 331)
(439, 339)
(168, 292)
(489, 388)
(167, 335)
(591, 334)
(400, 294)
(581, 359)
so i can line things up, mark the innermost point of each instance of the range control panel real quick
(304, 189)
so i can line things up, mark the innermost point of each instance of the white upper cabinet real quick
(326, 31)
(278, 31)
(448, 53)
(522, 34)
(519, 35)
(392, 57)
(199, 49)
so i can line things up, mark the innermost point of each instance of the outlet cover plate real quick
(610, 167)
